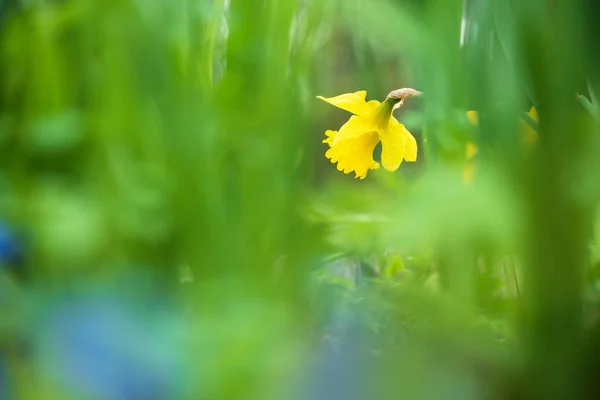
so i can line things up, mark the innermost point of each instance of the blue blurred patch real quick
(340, 369)
(10, 249)
(108, 350)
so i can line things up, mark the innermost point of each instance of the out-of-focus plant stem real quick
(209, 42)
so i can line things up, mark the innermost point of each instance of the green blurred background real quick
(171, 229)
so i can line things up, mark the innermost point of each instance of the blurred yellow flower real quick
(352, 146)
(469, 170)
(473, 116)
(529, 137)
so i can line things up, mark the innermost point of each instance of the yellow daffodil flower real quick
(352, 146)
(529, 137)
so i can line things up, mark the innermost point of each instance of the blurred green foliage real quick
(170, 228)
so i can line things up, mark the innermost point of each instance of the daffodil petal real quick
(393, 142)
(352, 102)
(371, 122)
(411, 143)
(354, 154)
(411, 147)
